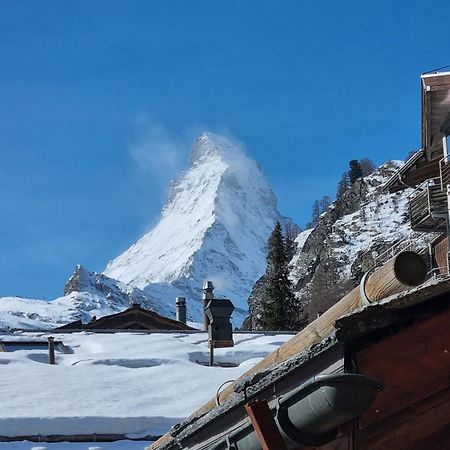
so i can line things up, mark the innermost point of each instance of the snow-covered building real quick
(134, 318)
(112, 386)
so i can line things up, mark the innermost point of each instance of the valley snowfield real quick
(135, 384)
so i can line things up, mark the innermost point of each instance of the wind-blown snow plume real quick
(157, 152)
(214, 226)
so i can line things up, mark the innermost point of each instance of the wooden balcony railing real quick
(444, 172)
(428, 208)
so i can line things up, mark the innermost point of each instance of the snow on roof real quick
(123, 383)
(118, 445)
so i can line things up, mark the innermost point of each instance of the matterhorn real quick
(214, 226)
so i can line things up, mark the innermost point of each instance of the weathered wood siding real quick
(413, 410)
(441, 256)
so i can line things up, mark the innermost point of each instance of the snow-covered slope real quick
(87, 294)
(350, 238)
(214, 227)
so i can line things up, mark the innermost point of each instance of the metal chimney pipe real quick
(181, 309)
(208, 294)
(51, 350)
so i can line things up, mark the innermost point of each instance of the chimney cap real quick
(219, 308)
(208, 285)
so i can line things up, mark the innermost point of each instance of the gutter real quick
(311, 414)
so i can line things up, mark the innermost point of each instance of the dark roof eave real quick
(394, 179)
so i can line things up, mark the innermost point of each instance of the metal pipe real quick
(181, 309)
(211, 353)
(208, 294)
(311, 414)
(51, 350)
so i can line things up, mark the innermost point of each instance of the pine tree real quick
(280, 309)
(291, 231)
(315, 212)
(324, 203)
(319, 207)
(343, 185)
(367, 167)
(355, 171)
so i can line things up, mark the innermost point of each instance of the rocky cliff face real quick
(348, 240)
(119, 295)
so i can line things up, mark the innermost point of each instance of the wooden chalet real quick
(428, 171)
(134, 318)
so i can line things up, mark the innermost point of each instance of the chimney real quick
(181, 309)
(51, 350)
(208, 294)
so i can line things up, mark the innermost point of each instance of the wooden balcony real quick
(444, 169)
(428, 209)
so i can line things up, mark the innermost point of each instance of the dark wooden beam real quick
(265, 427)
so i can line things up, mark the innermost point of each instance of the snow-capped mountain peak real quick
(214, 226)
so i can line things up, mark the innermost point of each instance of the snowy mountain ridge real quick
(86, 294)
(214, 226)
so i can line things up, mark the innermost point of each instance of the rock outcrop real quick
(350, 238)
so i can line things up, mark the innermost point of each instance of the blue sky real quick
(91, 91)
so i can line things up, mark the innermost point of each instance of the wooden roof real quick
(435, 109)
(424, 164)
(134, 318)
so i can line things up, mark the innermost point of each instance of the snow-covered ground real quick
(118, 445)
(135, 384)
